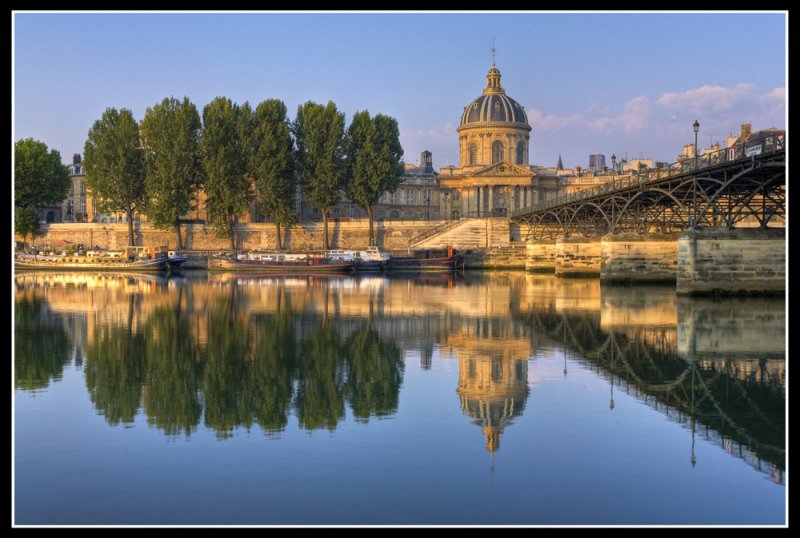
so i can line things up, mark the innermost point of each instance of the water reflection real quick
(233, 352)
(715, 365)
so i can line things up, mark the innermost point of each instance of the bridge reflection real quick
(235, 352)
(718, 368)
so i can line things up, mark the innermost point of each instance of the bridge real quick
(710, 190)
(711, 224)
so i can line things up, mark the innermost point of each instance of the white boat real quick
(369, 259)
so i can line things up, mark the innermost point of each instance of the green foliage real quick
(319, 139)
(374, 160)
(173, 175)
(26, 221)
(271, 160)
(114, 164)
(40, 179)
(222, 155)
(41, 349)
(39, 176)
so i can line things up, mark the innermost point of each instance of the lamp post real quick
(696, 127)
(428, 206)
(614, 163)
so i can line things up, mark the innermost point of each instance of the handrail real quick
(427, 234)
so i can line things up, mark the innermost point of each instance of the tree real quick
(170, 134)
(319, 137)
(39, 179)
(271, 162)
(374, 161)
(222, 155)
(115, 165)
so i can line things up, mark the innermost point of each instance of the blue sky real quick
(625, 83)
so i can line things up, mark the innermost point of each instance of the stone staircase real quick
(466, 233)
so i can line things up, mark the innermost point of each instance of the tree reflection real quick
(226, 364)
(374, 374)
(225, 367)
(115, 372)
(320, 398)
(267, 387)
(171, 398)
(41, 348)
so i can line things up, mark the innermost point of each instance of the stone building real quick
(494, 176)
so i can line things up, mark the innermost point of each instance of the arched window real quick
(520, 153)
(473, 154)
(497, 152)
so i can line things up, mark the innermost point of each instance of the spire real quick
(560, 165)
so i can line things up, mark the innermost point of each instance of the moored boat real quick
(175, 259)
(427, 260)
(278, 263)
(368, 259)
(130, 259)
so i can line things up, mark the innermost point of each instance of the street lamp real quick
(696, 127)
(614, 163)
(428, 206)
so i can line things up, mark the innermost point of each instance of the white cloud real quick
(642, 114)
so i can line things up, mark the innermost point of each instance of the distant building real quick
(76, 208)
(597, 162)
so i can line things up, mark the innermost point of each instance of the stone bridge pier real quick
(744, 261)
(632, 258)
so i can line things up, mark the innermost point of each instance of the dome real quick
(493, 105)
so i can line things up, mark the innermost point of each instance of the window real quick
(497, 152)
(409, 196)
(520, 153)
(473, 153)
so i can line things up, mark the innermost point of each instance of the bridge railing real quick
(684, 166)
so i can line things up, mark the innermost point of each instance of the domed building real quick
(495, 176)
(493, 128)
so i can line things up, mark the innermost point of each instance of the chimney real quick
(76, 158)
(746, 128)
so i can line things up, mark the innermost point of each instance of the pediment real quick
(504, 169)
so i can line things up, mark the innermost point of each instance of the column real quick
(491, 201)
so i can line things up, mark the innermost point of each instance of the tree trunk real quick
(325, 229)
(178, 231)
(371, 233)
(129, 212)
(232, 234)
(278, 234)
